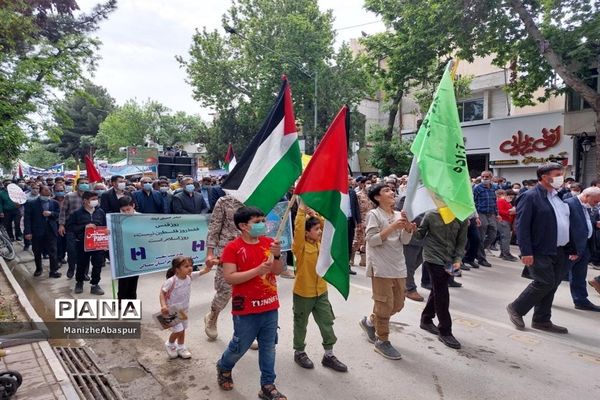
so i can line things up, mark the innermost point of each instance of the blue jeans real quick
(246, 328)
(577, 279)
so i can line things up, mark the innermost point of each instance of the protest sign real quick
(145, 243)
(274, 219)
(16, 194)
(96, 239)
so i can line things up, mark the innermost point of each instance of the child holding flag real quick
(310, 292)
(250, 264)
(386, 233)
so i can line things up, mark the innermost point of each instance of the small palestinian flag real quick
(230, 159)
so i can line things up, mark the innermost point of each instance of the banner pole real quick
(113, 289)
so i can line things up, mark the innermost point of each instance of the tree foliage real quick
(238, 74)
(44, 47)
(134, 124)
(77, 119)
(547, 44)
(391, 156)
(38, 155)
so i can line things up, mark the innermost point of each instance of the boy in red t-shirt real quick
(507, 212)
(250, 264)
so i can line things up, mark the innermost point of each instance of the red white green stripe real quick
(324, 188)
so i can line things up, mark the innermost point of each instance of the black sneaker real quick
(430, 327)
(485, 263)
(465, 267)
(302, 360)
(37, 272)
(351, 272)
(333, 363)
(453, 283)
(387, 350)
(55, 274)
(449, 341)
(369, 330)
(510, 258)
(70, 273)
(79, 287)
(97, 290)
(472, 264)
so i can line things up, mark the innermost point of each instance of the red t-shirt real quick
(503, 210)
(259, 294)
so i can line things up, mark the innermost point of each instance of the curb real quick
(57, 369)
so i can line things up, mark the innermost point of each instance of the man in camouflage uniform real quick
(364, 205)
(221, 231)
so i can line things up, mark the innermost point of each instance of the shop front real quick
(519, 144)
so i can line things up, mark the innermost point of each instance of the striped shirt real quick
(70, 204)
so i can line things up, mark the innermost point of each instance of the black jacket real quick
(35, 222)
(109, 201)
(183, 203)
(80, 218)
(354, 207)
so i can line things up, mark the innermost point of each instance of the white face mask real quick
(557, 182)
(121, 185)
(94, 203)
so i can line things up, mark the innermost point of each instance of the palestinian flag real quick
(230, 159)
(324, 188)
(272, 161)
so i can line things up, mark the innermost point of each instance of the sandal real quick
(270, 392)
(224, 379)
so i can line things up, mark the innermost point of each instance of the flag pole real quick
(285, 216)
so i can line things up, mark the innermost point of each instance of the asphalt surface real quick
(496, 360)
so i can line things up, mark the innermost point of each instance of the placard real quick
(96, 239)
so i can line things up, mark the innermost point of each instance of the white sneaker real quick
(184, 353)
(171, 350)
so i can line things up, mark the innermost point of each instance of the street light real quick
(301, 68)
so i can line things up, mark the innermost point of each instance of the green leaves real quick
(44, 49)
(133, 124)
(238, 74)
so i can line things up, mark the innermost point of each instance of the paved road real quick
(496, 361)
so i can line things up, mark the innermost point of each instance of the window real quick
(470, 110)
(574, 101)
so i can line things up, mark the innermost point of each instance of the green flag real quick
(440, 152)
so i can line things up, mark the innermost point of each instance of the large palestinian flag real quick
(324, 188)
(272, 161)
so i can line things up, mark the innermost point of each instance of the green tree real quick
(77, 120)
(39, 156)
(389, 156)
(45, 46)
(237, 73)
(539, 41)
(134, 124)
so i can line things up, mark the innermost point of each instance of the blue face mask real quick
(44, 198)
(100, 191)
(147, 187)
(190, 188)
(258, 229)
(84, 187)
(59, 194)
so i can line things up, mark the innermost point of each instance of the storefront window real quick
(470, 110)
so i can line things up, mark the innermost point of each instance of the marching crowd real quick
(555, 223)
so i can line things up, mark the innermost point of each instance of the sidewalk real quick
(44, 377)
